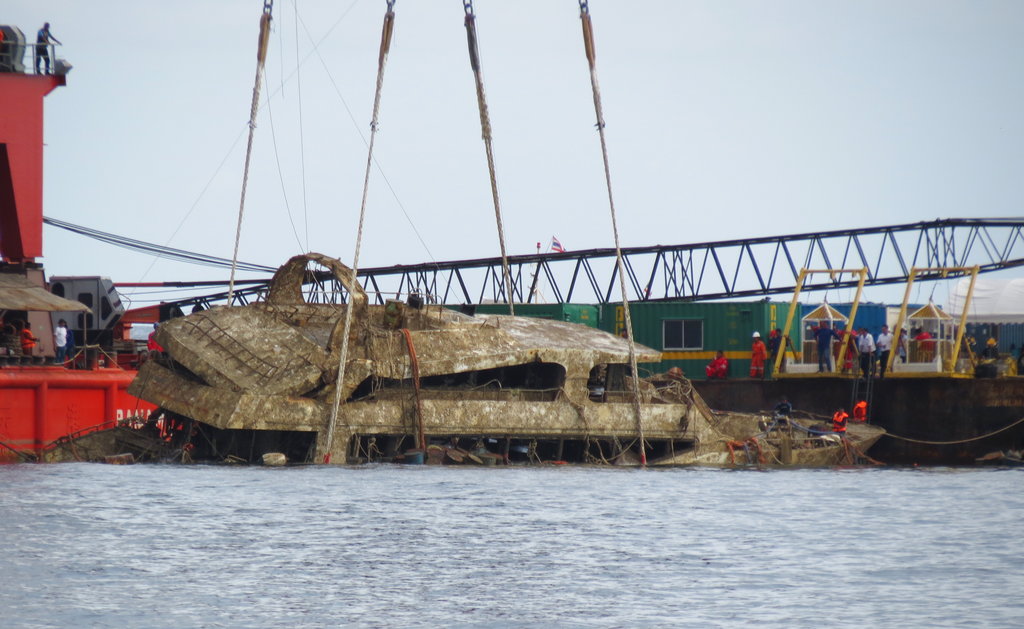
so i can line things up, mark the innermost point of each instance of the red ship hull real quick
(39, 405)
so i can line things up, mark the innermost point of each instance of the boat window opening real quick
(685, 334)
(615, 378)
(530, 377)
(534, 382)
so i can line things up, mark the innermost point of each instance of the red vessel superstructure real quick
(40, 401)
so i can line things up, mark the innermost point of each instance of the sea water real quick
(389, 546)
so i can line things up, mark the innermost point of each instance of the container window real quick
(682, 334)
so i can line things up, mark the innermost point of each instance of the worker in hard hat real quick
(758, 354)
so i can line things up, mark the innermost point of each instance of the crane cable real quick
(588, 43)
(261, 58)
(485, 128)
(385, 47)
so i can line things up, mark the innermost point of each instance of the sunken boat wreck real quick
(281, 380)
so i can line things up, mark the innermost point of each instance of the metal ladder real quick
(862, 390)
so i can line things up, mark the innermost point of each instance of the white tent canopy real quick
(994, 301)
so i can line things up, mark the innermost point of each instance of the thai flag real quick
(556, 246)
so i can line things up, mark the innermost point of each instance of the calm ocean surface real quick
(388, 546)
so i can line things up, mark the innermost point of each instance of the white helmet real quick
(757, 335)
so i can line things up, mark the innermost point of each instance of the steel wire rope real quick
(281, 49)
(958, 441)
(355, 123)
(280, 176)
(195, 203)
(238, 137)
(261, 57)
(302, 135)
(588, 43)
(385, 46)
(161, 251)
(485, 130)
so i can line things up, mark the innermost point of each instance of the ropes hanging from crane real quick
(485, 127)
(382, 57)
(588, 43)
(261, 58)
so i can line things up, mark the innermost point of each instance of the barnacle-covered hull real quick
(240, 381)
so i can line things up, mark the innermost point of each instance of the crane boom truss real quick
(728, 269)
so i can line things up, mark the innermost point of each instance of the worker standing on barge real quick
(824, 335)
(866, 347)
(28, 340)
(60, 342)
(758, 354)
(884, 345)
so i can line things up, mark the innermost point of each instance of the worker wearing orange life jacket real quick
(758, 354)
(839, 422)
(718, 369)
(28, 340)
(860, 411)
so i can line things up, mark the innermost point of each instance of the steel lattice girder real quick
(717, 270)
(753, 267)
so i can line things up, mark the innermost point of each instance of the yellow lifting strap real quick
(382, 58)
(588, 43)
(485, 127)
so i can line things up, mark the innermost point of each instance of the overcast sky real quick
(725, 119)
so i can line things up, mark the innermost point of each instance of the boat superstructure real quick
(245, 381)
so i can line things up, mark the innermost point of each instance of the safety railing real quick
(42, 58)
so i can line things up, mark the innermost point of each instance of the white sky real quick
(726, 119)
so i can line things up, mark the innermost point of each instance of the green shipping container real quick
(689, 333)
